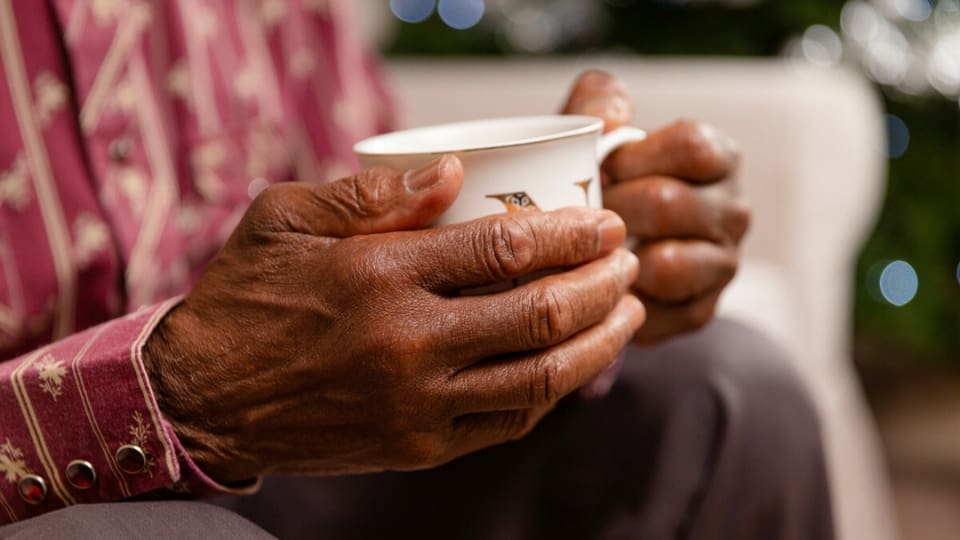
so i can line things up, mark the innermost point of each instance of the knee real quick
(154, 519)
(735, 376)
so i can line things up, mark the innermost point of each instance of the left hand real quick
(677, 193)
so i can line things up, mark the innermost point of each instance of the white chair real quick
(813, 172)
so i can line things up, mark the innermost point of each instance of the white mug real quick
(534, 162)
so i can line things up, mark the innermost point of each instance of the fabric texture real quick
(133, 135)
(160, 520)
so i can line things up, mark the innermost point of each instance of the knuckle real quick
(666, 266)
(508, 248)
(369, 270)
(271, 196)
(691, 138)
(550, 380)
(663, 196)
(364, 194)
(698, 142)
(550, 318)
(269, 200)
(269, 209)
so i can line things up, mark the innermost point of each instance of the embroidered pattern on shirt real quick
(52, 374)
(14, 187)
(51, 96)
(272, 12)
(12, 465)
(140, 433)
(105, 11)
(90, 236)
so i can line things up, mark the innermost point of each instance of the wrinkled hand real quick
(677, 193)
(327, 336)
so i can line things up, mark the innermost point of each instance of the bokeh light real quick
(944, 63)
(461, 14)
(887, 57)
(860, 21)
(913, 10)
(912, 46)
(898, 136)
(412, 11)
(821, 46)
(532, 30)
(898, 283)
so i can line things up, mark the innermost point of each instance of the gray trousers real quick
(706, 436)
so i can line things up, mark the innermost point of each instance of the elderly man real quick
(163, 338)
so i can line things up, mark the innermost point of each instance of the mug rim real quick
(582, 125)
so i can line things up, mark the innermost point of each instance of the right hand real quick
(327, 337)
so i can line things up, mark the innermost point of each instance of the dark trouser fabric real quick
(131, 520)
(707, 436)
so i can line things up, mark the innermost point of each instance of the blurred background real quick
(905, 340)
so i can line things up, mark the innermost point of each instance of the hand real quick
(327, 336)
(677, 193)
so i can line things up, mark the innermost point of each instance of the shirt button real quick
(33, 489)
(131, 459)
(81, 474)
(120, 149)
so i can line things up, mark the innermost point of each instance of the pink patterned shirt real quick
(133, 134)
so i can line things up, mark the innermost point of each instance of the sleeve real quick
(78, 419)
(79, 424)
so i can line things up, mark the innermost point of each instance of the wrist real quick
(171, 359)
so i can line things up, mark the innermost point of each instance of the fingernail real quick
(630, 265)
(722, 143)
(611, 232)
(619, 108)
(603, 383)
(428, 176)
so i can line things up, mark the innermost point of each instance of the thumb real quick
(375, 200)
(598, 93)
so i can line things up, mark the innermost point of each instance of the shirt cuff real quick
(79, 424)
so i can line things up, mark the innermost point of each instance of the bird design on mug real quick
(515, 201)
(585, 186)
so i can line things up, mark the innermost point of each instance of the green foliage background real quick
(920, 222)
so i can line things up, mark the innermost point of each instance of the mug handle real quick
(610, 142)
(617, 138)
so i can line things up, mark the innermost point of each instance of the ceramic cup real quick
(526, 162)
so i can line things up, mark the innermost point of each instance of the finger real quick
(685, 149)
(678, 270)
(474, 432)
(659, 207)
(507, 246)
(600, 94)
(539, 314)
(665, 320)
(542, 379)
(372, 201)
